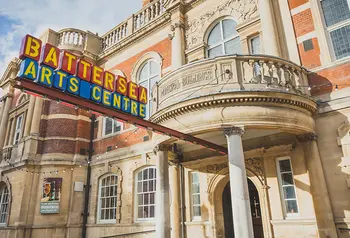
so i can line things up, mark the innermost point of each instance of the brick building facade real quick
(268, 79)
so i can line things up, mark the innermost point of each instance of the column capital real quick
(229, 131)
(307, 137)
(163, 147)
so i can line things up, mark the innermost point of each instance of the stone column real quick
(2, 105)
(242, 217)
(268, 26)
(4, 119)
(175, 201)
(29, 116)
(35, 125)
(162, 192)
(177, 46)
(319, 188)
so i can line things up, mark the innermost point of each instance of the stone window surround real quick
(113, 133)
(134, 197)
(285, 214)
(194, 218)
(6, 181)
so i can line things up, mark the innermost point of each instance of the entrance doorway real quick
(254, 206)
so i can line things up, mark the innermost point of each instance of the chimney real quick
(145, 2)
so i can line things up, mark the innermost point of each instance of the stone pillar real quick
(175, 201)
(2, 105)
(319, 188)
(268, 26)
(177, 46)
(242, 217)
(162, 192)
(4, 119)
(35, 125)
(29, 116)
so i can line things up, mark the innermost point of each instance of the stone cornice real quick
(307, 137)
(235, 100)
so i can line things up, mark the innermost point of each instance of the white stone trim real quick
(63, 138)
(65, 116)
(301, 8)
(307, 36)
(152, 55)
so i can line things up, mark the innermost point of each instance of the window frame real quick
(286, 215)
(2, 191)
(193, 217)
(18, 131)
(136, 205)
(113, 132)
(105, 221)
(222, 41)
(148, 80)
(329, 29)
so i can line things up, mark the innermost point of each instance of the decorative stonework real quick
(307, 137)
(233, 131)
(163, 147)
(241, 10)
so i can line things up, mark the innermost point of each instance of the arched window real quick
(107, 199)
(148, 75)
(224, 39)
(4, 203)
(145, 193)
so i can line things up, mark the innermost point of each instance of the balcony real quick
(71, 39)
(6, 153)
(238, 73)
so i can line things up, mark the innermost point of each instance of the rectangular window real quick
(254, 50)
(146, 194)
(111, 126)
(286, 181)
(195, 195)
(336, 15)
(18, 129)
(108, 199)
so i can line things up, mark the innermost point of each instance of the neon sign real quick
(60, 69)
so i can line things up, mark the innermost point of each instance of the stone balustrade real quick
(137, 21)
(72, 39)
(6, 153)
(229, 74)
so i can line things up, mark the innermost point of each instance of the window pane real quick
(108, 126)
(291, 206)
(196, 199)
(233, 46)
(341, 42)
(217, 51)
(154, 68)
(215, 35)
(288, 192)
(335, 11)
(255, 44)
(229, 28)
(197, 211)
(287, 179)
(151, 198)
(140, 212)
(144, 72)
(285, 165)
(151, 214)
(195, 188)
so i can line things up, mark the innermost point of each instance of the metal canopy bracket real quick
(30, 86)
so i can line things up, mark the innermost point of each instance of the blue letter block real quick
(46, 75)
(28, 69)
(134, 108)
(60, 80)
(126, 104)
(117, 101)
(73, 85)
(96, 93)
(142, 110)
(106, 99)
(85, 89)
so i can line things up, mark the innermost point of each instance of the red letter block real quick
(68, 62)
(50, 56)
(84, 70)
(30, 48)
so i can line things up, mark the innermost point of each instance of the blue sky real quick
(21, 17)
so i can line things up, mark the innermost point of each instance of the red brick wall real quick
(303, 23)
(296, 3)
(310, 59)
(163, 48)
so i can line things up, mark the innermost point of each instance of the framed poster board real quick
(51, 195)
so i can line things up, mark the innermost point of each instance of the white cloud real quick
(35, 16)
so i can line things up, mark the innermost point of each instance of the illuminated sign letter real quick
(97, 75)
(143, 95)
(46, 75)
(30, 48)
(96, 93)
(108, 79)
(68, 62)
(117, 101)
(60, 80)
(106, 98)
(134, 108)
(84, 70)
(122, 86)
(49, 56)
(28, 69)
(132, 90)
(142, 110)
(73, 85)
(126, 104)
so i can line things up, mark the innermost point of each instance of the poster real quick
(51, 194)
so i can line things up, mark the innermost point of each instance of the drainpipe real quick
(182, 205)
(88, 177)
